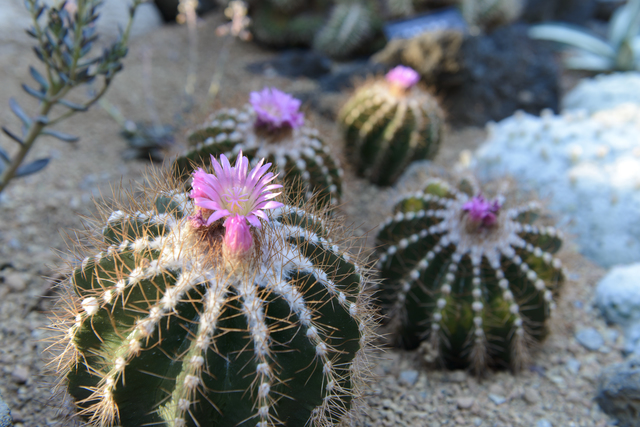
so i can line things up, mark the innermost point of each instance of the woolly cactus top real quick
(481, 212)
(404, 77)
(276, 109)
(237, 194)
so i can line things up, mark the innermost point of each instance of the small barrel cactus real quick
(211, 311)
(389, 123)
(476, 279)
(350, 25)
(270, 127)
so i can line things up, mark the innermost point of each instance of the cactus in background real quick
(287, 23)
(211, 312)
(270, 127)
(487, 14)
(476, 279)
(390, 123)
(350, 25)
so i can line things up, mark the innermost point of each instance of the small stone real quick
(465, 402)
(531, 396)
(497, 399)
(574, 396)
(409, 377)
(543, 423)
(590, 339)
(16, 281)
(619, 392)
(20, 374)
(573, 365)
(618, 294)
(5, 414)
(458, 376)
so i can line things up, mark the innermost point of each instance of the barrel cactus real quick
(389, 123)
(271, 127)
(221, 307)
(476, 279)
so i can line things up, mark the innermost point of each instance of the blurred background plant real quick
(619, 52)
(65, 35)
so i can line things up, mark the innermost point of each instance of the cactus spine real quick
(297, 150)
(476, 279)
(176, 322)
(388, 124)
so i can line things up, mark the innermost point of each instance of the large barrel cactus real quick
(209, 310)
(389, 123)
(476, 279)
(270, 127)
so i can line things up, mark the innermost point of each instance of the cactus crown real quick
(165, 326)
(390, 122)
(272, 127)
(476, 278)
(276, 109)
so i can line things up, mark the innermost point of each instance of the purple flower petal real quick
(402, 76)
(276, 109)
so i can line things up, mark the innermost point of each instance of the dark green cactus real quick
(389, 123)
(474, 278)
(350, 25)
(162, 327)
(287, 24)
(298, 153)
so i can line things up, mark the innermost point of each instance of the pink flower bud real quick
(402, 76)
(237, 237)
(482, 211)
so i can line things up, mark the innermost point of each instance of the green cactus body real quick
(480, 293)
(284, 24)
(298, 153)
(386, 128)
(349, 26)
(164, 330)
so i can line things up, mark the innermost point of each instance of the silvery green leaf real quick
(12, 135)
(35, 93)
(32, 167)
(18, 111)
(577, 38)
(72, 105)
(39, 78)
(4, 156)
(60, 135)
(588, 62)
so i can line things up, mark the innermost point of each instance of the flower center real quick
(235, 198)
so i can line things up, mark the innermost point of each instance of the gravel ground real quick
(36, 212)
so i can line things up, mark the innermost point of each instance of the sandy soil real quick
(36, 212)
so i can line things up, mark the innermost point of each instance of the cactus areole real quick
(473, 278)
(221, 308)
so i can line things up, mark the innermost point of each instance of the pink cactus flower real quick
(236, 193)
(276, 109)
(402, 76)
(482, 211)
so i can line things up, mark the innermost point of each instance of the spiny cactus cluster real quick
(474, 278)
(210, 311)
(349, 26)
(270, 127)
(389, 123)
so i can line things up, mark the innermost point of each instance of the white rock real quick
(604, 92)
(618, 295)
(587, 167)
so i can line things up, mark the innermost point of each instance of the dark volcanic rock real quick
(499, 74)
(619, 392)
(295, 63)
(574, 11)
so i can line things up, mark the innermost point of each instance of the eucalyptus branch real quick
(63, 44)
